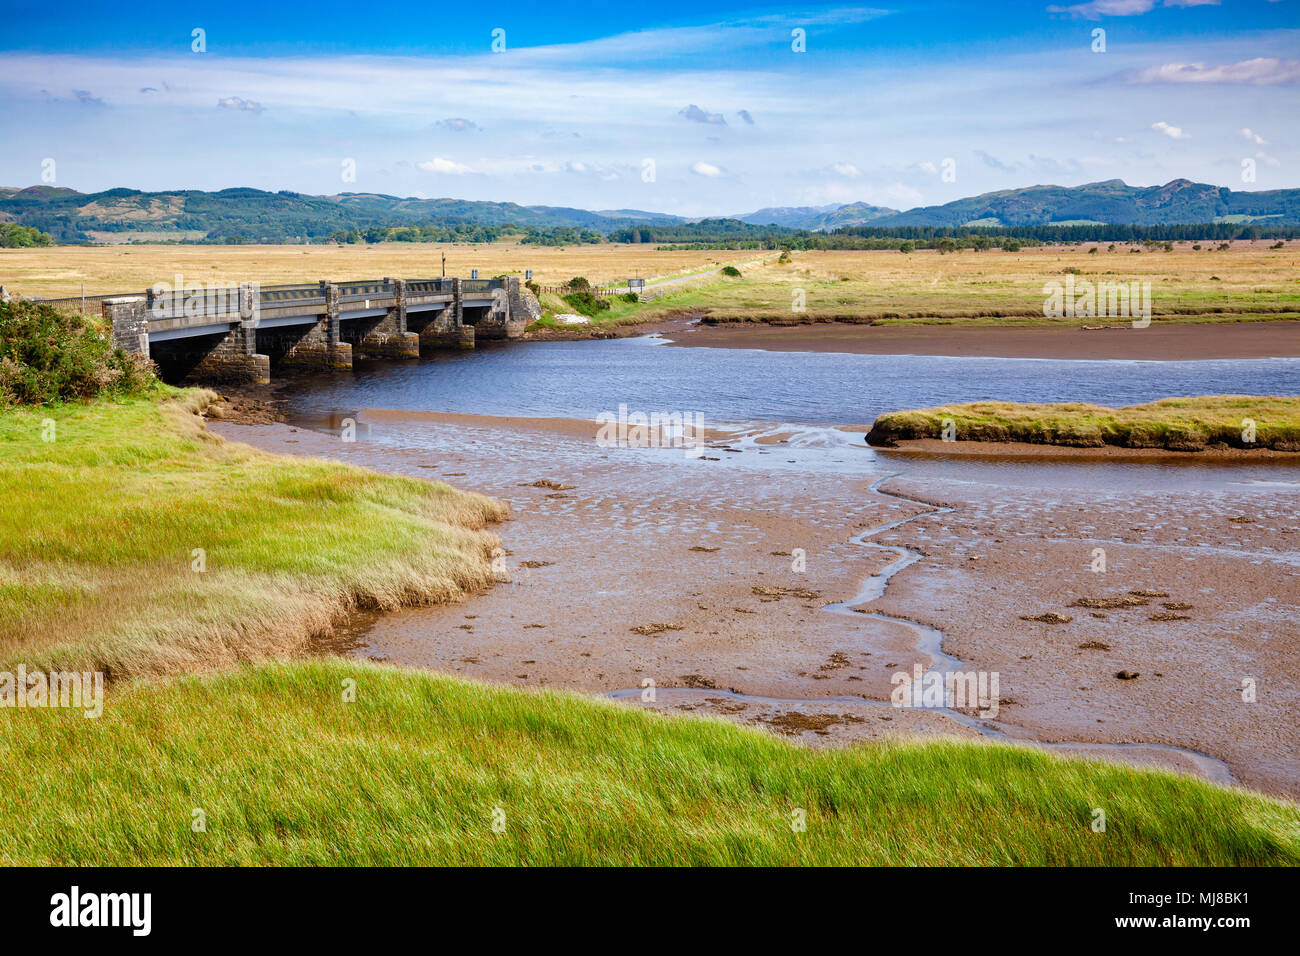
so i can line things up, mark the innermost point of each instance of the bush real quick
(907, 247)
(585, 302)
(579, 284)
(631, 297)
(47, 355)
(730, 271)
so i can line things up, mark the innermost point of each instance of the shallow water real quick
(799, 395)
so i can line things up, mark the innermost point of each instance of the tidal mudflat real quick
(783, 577)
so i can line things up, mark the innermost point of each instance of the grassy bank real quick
(104, 527)
(1177, 424)
(285, 771)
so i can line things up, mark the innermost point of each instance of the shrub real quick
(579, 284)
(631, 297)
(585, 302)
(730, 271)
(48, 355)
(907, 247)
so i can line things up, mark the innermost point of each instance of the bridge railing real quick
(301, 294)
(365, 289)
(428, 286)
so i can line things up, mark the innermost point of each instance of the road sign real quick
(636, 283)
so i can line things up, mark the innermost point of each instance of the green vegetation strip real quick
(1176, 424)
(134, 541)
(286, 771)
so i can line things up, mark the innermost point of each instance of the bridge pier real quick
(228, 356)
(388, 336)
(507, 316)
(233, 359)
(320, 345)
(444, 328)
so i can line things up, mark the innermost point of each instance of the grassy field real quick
(102, 529)
(1179, 424)
(60, 270)
(285, 771)
(1246, 281)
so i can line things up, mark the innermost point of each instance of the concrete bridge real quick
(235, 334)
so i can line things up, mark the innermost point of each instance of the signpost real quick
(636, 283)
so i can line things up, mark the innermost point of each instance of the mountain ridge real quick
(249, 214)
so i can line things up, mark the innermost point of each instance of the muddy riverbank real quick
(708, 581)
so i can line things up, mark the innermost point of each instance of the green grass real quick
(286, 772)
(100, 527)
(1179, 424)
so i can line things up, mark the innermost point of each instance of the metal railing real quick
(219, 301)
(428, 286)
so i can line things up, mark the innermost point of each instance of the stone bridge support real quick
(509, 313)
(228, 357)
(446, 327)
(128, 316)
(387, 336)
(320, 344)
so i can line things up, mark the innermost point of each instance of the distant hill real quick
(817, 218)
(254, 215)
(1179, 202)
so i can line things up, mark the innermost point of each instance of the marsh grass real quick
(1179, 424)
(286, 772)
(98, 541)
(1247, 281)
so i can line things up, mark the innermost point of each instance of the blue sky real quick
(667, 106)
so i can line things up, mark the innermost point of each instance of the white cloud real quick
(1096, 9)
(706, 169)
(239, 103)
(1261, 71)
(440, 165)
(1173, 132)
(845, 169)
(1248, 134)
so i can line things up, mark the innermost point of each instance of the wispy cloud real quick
(1173, 132)
(239, 103)
(444, 166)
(1251, 136)
(1261, 71)
(707, 170)
(1096, 9)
